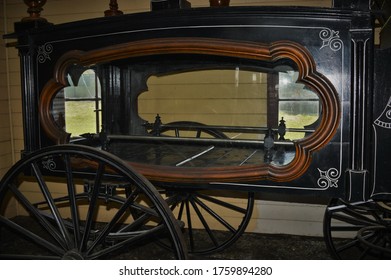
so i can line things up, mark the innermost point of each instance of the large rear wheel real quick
(77, 202)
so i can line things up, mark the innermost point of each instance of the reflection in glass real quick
(297, 104)
(239, 102)
(234, 98)
(76, 108)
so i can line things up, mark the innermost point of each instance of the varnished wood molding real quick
(51, 88)
(308, 75)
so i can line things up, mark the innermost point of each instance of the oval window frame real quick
(329, 100)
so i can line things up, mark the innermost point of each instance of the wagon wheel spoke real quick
(49, 199)
(347, 246)
(361, 218)
(189, 226)
(216, 216)
(180, 211)
(132, 229)
(31, 236)
(203, 214)
(130, 241)
(82, 203)
(27, 257)
(376, 238)
(72, 200)
(92, 207)
(109, 226)
(353, 220)
(38, 216)
(349, 230)
(203, 221)
(223, 203)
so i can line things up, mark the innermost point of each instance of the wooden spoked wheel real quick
(212, 219)
(191, 129)
(77, 202)
(359, 230)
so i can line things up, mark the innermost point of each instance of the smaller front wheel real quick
(212, 219)
(359, 230)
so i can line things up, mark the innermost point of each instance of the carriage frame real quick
(334, 54)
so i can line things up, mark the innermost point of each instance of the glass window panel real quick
(289, 89)
(76, 108)
(227, 97)
(87, 86)
(80, 117)
(299, 115)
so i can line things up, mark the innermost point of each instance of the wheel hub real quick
(73, 255)
(382, 233)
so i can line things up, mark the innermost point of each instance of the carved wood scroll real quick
(308, 75)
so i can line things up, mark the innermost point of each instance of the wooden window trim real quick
(275, 51)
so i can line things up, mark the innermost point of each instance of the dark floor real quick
(250, 246)
(274, 247)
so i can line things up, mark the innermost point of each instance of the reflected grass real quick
(80, 117)
(297, 121)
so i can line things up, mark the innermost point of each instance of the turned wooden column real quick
(113, 11)
(34, 9)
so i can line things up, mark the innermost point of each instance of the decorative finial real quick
(113, 9)
(157, 125)
(35, 9)
(282, 129)
(219, 3)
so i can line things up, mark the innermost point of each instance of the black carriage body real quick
(354, 161)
